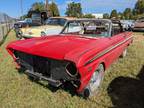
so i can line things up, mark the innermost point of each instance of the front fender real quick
(86, 72)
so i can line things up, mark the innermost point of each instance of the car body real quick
(79, 55)
(23, 23)
(128, 25)
(53, 25)
(139, 25)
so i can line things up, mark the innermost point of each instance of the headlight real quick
(20, 32)
(43, 33)
(71, 70)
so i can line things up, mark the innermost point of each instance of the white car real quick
(53, 25)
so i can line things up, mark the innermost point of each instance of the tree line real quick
(136, 12)
(75, 10)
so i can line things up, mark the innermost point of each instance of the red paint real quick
(76, 49)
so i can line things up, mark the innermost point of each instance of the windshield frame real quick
(88, 20)
(58, 20)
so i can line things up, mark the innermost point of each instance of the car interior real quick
(116, 28)
(88, 28)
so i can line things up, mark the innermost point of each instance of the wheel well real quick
(103, 65)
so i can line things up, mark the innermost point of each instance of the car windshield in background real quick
(56, 21)
(28, 20)
(91, 28)
(36, 16)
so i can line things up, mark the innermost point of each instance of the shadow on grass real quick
(126, 92)
(67, 86)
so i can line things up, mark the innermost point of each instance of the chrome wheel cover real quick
(124, 52)
(96, 78)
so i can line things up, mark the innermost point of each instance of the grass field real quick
(122, 86)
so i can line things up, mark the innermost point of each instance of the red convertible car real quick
(80, 54)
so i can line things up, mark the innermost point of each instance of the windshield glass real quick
(28, 20)
(56, 21)
(35, 15)
(92, 28)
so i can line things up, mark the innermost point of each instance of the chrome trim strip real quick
(106, 51)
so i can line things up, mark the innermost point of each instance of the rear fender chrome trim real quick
(106, 51)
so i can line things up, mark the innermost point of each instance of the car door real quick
(117, 34)
(117, 38)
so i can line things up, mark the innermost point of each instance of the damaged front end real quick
(56, 72)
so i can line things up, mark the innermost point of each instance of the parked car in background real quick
(128, 25)
(23, 23)
(139, 25)
(79, 55)
(53, 25)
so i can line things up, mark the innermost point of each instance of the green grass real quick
(17, 91)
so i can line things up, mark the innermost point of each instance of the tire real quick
(124, 53)
(18, 34)
(95, 82)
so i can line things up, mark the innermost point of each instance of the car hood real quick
(56, 47)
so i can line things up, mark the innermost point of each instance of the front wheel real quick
(18, 33)
(94, 82)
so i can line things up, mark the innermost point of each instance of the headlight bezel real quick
(43, 33)
(71, 69)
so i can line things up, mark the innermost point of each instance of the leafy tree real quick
(37, 6)
(114, 14)
(127, 14)
(120, 15)
(54, 9)
(106, 16)
(40, 6)
(88, 16)
(74, 10)
(139, 7)
(134, 12)
(23, 17)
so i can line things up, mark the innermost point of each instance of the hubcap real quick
(96, 78)
(125, 52)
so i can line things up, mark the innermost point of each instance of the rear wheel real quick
(95, 82)
(124, 53)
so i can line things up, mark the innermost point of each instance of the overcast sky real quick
(12, 7)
